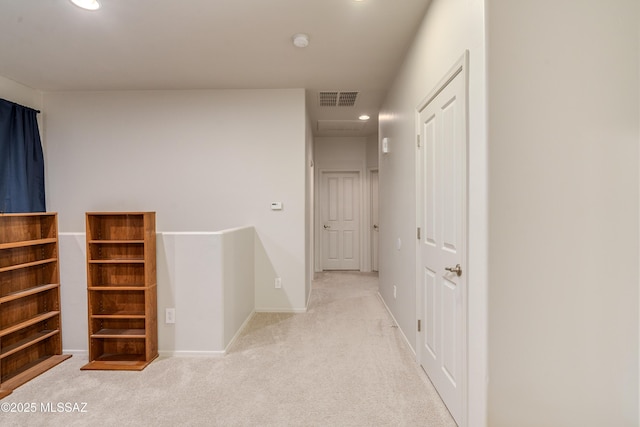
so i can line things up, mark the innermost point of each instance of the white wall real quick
(20, 94)
(73, 292)
(195, 292)
(450, 27)
(238, 280)
(310, 208)
(372, 151)
(563, 137)
(211, 304)
(203, 160)
(341, 152)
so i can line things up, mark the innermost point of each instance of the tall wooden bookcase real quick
(30, 325)
(121, 290)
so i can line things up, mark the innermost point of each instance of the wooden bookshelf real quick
(121, 290)
(30, 324)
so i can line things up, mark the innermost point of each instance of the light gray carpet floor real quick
(343, 363)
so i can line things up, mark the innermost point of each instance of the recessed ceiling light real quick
(364, 117)
(87, 4)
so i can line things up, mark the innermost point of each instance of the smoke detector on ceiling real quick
(87, 4)
(301, 40)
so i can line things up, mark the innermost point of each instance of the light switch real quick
(385, 145)
(276, 206)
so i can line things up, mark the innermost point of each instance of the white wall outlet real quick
(170, 315)
(394, 291)
(278, 282)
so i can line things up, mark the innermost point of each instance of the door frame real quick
(460, 67)
(369, 226)
(318, 215)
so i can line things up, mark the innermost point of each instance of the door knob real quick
(457, 269)
(375, 226)
(326, 226)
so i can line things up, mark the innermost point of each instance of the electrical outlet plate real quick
(278, 282)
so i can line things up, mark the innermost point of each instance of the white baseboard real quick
(193, 354)
(83, 353)
(309, 299)
(181, 353)
(162, 353)
(413, 351)
(281, 310)
(239, 331)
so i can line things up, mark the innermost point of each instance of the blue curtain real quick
(21, 160)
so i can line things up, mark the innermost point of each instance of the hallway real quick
(342, 363)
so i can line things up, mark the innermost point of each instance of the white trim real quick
(413, 350)
(310, 292)
(73, 352)
(184, 353)
(207, 233)
(239, 331)
(161, 353)
(369, 227)
(318, 214)
(281, 310)
(365, 226)
(189, 233)
(192, 354)
(460, 67)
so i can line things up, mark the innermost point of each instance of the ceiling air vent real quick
(328, 99)
(337, 99)
(347, 99)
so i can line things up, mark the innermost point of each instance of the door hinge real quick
(418, 137)
(419, 325)
(418, 233)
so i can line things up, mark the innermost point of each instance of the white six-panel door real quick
(441, 217)
(340, 220)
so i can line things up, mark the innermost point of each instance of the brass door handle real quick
(457, 269)
(326, 226)
(375, 226)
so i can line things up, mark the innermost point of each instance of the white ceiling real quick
(52, 45)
